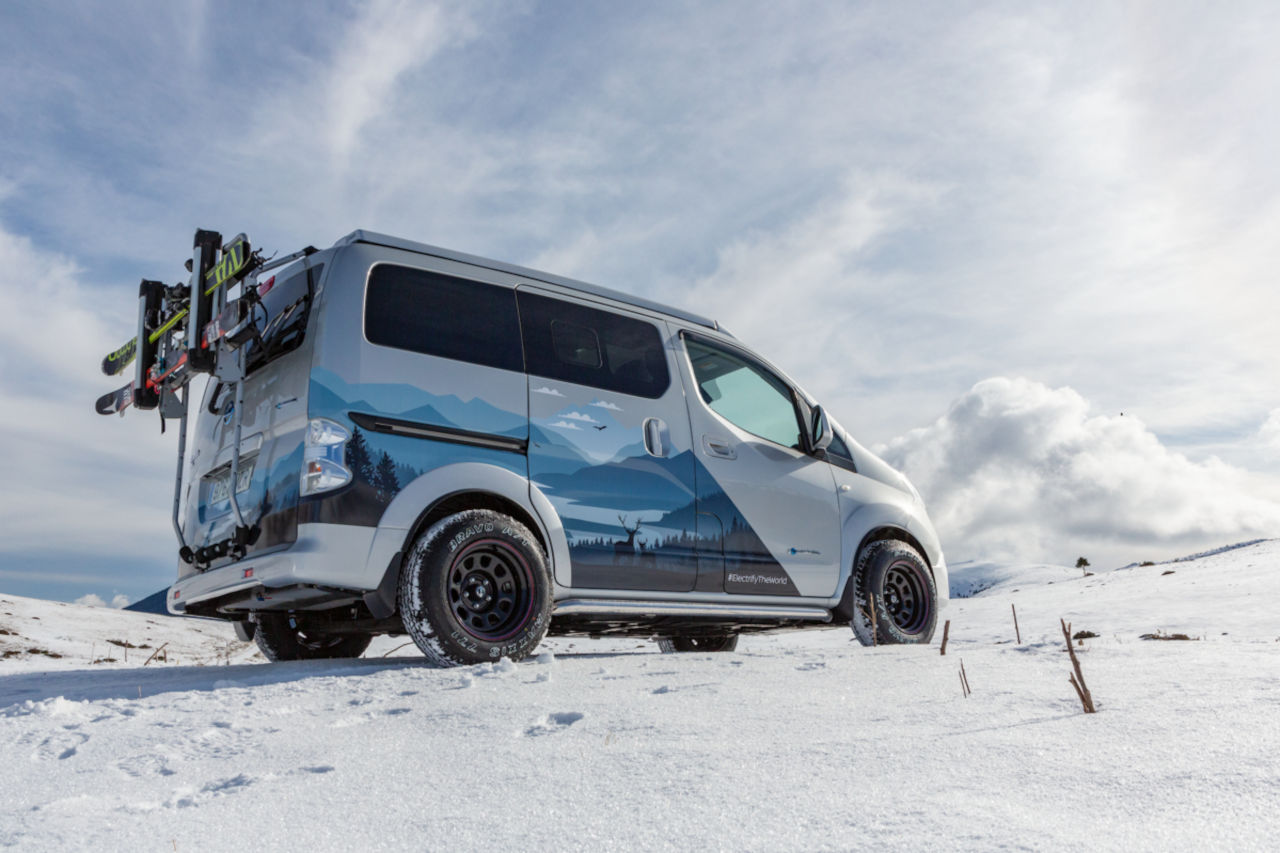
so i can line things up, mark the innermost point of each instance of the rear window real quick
(444, 316)
(282, 317)
(586, 346)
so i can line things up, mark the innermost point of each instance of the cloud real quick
(1018, 470)
(388, 39)
(106, 481)
(565, 425)
(580, 416)
(550, 392)
(118, 601)
(604, 404)
(1269, 432)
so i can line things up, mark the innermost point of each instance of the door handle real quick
(720, 447)
(655, 437)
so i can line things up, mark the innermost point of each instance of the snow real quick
(800, 741)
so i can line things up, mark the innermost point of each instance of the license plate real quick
(221, 488)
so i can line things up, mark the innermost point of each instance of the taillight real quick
(323, 467)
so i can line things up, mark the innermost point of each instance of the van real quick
(398, 438)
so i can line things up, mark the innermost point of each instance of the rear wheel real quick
(895, 580)
(279, 639)
(671, 645)
(474, 588)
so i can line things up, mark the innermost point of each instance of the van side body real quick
(677, 484)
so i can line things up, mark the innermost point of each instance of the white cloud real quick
(565, 425)
(550, 392)
(580, 416)
(388, 39)
(1269, 432)
(604, 404)
(85, 482)
(118, 601)
(1018, 470)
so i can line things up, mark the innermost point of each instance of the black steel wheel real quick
(474, 588)
(892, 579)
(490, 590)
(279, 638)
(671, 645)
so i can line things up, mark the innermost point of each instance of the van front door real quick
(609, 442)
(773, 506)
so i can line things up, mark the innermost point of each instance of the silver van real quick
(397, 438)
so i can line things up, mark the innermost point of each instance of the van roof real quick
(362, 236)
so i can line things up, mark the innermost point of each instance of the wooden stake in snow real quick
(1016, 632)
(964, 680)
(1077, 678)
(946, 629)
(156, 652)
(875, 631)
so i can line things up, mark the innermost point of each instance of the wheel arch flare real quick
(449, 489)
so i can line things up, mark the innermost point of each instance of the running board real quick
(617, 607)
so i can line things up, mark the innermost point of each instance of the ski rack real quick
(186, 329)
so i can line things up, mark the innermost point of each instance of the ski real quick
(114, 402)
(117, 361)
(120, 399)
(160, 375)
(237, 261)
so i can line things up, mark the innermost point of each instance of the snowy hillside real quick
(800, 741)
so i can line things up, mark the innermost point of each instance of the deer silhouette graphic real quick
(626, 549)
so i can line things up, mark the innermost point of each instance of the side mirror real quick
(820, 434)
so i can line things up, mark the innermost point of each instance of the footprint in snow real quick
(146, 764)
(60, 746)
(812, 665)
(553, 723)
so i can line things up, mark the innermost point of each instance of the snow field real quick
(801, 741)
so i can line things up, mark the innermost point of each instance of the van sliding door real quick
(609, 442)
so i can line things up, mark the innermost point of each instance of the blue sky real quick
(895, 202)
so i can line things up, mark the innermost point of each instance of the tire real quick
(671, 645)
(906, 598)
(474, 588)
(279, 640)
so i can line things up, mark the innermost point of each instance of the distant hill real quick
(153, 603)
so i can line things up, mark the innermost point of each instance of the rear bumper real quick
(325, 558)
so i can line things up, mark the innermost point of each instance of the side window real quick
(587, 346)
(441, 315)
(744, 393)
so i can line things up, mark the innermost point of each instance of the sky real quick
(1024, 252)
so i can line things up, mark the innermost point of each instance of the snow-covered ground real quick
(800, 741)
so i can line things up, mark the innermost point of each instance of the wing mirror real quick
(819, 432)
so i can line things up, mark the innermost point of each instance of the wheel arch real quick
(450, 489)
(876, 523)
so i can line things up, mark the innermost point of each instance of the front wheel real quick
(475, 588)
(892, 579)
(671, 645)
(279, 639)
